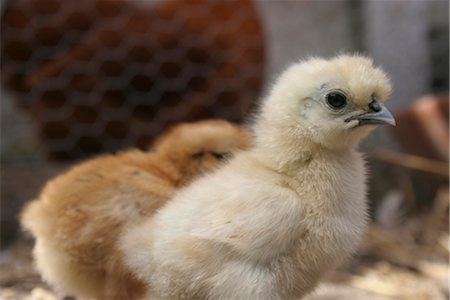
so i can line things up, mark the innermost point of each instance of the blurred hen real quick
(94, 73)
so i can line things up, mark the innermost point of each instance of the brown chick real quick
(80, 215)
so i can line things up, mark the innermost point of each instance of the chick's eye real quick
(336, 100)
(222, 155)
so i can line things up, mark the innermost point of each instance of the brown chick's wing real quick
(196, 147)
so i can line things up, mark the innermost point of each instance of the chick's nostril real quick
(375, 106)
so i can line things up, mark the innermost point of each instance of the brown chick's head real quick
(195, 148)
(329, 103)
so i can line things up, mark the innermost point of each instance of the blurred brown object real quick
(423, 128)
(423, 131)
(101, 75)
(412, 162)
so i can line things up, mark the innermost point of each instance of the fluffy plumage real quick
(273, 220)
(80, 214)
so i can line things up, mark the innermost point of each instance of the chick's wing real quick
(246, 226)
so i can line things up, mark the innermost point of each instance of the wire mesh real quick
(101, 75)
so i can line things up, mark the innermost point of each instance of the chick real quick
(273, 220)
(80, 215)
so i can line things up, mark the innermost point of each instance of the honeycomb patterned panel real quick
(98, 75)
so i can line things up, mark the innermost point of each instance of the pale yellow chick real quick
(271, 222)
(80, 215)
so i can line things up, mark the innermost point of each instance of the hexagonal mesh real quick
(100, 75)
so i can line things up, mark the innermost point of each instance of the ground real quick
(381, 271)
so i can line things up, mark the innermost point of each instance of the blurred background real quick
(85, 77)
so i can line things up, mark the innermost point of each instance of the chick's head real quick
(333, 103)
(194, 148)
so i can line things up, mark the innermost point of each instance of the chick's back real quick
(79, 215)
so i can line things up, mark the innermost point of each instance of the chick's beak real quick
(378, 114)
